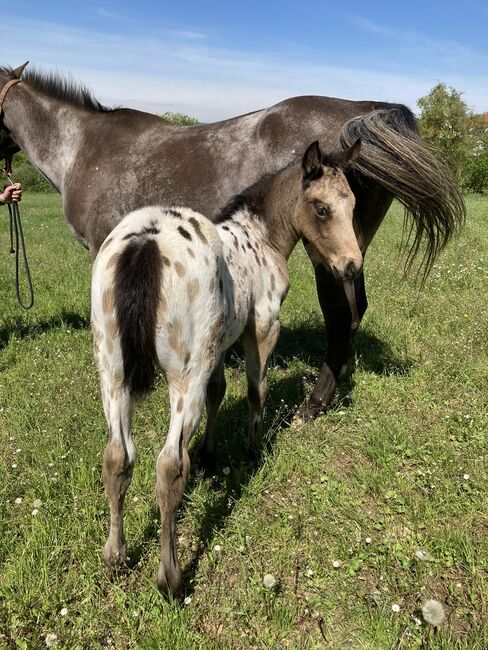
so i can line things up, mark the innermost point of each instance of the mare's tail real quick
(137, 287)
(393, 154)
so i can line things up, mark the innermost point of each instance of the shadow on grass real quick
(225, 491)
(309, 343)
(21, 329)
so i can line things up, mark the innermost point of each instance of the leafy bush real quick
(475, 177)
(179, 118)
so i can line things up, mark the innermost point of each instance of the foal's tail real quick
(137, 287)
(393, 154)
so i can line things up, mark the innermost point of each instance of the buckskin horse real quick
(106, 163)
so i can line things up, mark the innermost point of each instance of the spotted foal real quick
(171, 290)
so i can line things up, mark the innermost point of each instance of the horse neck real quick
(274, 203)
(46, 129)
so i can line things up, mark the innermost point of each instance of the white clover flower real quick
(336, 564)
(368, 540)
(18, 500)
(37, 503)
(50, 639)
(395, 608)
(466, 477)
(217, 548)
(63, 611)
(433, 612)
(187, 600)
(34, 512)
(422, 555)
(269, 581)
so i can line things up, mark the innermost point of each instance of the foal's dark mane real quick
(252, 196)
(59, 87)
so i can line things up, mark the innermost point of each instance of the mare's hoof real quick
(207, 463)
(170, 582)
(114, 559)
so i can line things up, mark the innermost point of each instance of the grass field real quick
(337, 511)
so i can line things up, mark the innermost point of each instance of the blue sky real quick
(213, 60)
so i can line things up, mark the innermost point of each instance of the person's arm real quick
(11, 194)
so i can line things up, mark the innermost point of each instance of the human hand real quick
(11, 194)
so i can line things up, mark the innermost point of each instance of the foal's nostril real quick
(350, 271)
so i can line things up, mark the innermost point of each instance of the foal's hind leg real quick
(172, 469)
(215, 394)
(259, 345)
(118, 463)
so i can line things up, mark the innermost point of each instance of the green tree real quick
(445, 122)
(179, 118)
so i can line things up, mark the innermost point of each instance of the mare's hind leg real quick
(215, 394)
(259, 345)
(172, 469)
(118, 462)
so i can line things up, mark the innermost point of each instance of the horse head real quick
(7, 145)
(326, 208)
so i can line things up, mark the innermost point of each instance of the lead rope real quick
(16, 227)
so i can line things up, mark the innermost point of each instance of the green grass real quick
(387, 464)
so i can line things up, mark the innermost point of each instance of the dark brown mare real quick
(106, 163)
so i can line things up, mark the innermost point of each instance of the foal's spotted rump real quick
(174, 291)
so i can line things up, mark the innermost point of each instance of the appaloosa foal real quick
(172, 290)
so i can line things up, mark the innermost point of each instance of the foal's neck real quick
(273, 201)
(47, 130)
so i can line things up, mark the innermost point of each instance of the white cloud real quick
(182, 71)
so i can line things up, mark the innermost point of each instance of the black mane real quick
(58, 87)
(251, 197)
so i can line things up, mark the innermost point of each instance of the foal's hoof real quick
(170, 581)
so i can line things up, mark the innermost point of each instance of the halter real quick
(15, 222)
(5, 89)
(3, 94)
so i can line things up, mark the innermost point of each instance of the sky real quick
(214, 60)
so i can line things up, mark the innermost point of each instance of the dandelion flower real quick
(269, 581)
(395, 608)
(433, 612)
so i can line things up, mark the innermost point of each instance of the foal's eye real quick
(321, 209)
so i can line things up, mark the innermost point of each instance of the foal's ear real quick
(349, 154)
(312, 162)
(18, 71)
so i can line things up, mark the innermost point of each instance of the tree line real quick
(445, 121)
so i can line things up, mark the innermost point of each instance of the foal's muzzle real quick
(348, 273)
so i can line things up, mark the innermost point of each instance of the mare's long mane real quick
(57, 86)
